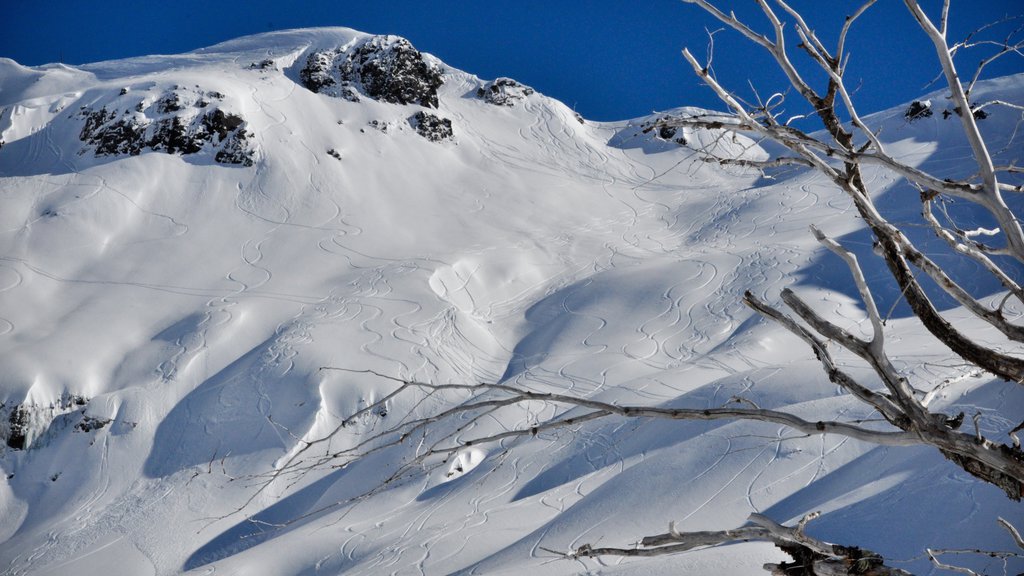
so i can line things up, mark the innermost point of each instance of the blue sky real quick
(610, 59)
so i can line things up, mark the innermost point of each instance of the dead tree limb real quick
(811, 557)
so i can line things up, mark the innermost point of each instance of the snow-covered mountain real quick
(186, 240)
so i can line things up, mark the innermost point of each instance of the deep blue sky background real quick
(610, 59)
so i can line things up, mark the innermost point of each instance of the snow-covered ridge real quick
(164, 317)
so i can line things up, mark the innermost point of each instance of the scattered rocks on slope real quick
(175, 123)
(431, 127)
(266, 64)
(385, 68)
(91, 423)
(382, 126)
(978, 113)
(919, 109)
(504, 92)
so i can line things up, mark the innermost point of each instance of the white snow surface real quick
(193, 305)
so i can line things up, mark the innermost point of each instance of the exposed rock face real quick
(431, 127)
(504, 92)
(385, 68)
(316, 74)
(111, 135)
(175, 123)
(22, 424)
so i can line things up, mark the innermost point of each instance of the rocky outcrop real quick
(21, 425)
(663, 131)
(91, 423)
(669, 133)
(177, 122)
(265, 64)
(504, 92)
(316, 74)
(431, 127)
(384, 68)
(918, 110)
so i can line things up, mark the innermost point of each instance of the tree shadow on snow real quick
(901, 205)
(266, 525)
(897, 502)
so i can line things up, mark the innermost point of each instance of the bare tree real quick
(842, 151)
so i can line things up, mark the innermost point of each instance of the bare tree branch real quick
(810, 555)
(932, 555)
(991, 197)
(1013, 532)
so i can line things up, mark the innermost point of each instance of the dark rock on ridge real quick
(918, 110)
(504, 92)
(180, 128)
(385, 68)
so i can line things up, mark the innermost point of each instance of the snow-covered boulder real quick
(504, 92)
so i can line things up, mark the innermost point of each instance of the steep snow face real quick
(187, 241)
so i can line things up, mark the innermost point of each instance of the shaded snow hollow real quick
(175, 271)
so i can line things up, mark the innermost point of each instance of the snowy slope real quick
(173, 278)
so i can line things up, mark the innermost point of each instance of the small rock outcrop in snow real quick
(170, 124)
(265, 64)
(385, 68)
(664, 131)
(504, 92)
(22, 424)
(918, 109)
(431, 127)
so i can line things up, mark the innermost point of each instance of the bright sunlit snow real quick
(166, 316)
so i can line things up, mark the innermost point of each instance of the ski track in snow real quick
(10, 279)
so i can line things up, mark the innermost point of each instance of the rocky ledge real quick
(23, 425)
(179, 121)
(384, 68)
